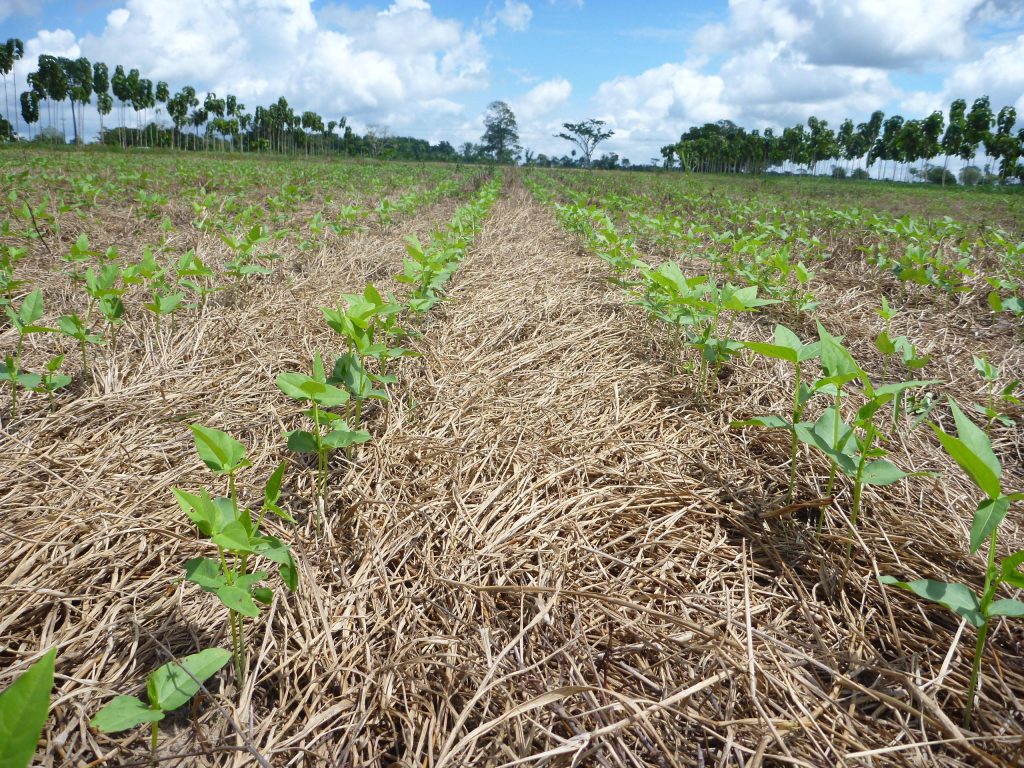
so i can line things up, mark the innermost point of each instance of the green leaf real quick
(24, 706)
(884, 344)
(987, 517)
(1006, 607)
(272, 489)
(234, 537)
(773, 350)
(263, 595)
(956, 597)
(31, 308)
(238, 600)
(122, 713)
(1009, 565)
(218, 450)
(836, 360)
(822, 435)
(210, 515)
(972, 450)
(177, 682)
(773, 422)
(205, 572)
(277, 551)
(302, 442)
(292, 384)
(882, 472)
(342, 437)
(71, 325)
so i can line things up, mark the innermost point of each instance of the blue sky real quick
(650, 69)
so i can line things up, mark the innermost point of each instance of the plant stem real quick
(236, 650)
(85, 360)
(972, 688)
(154, 740)
(835, 439)
(793, 443)
(991, 583)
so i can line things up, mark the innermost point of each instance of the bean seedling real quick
(972, 450)
(231, 528)
(24, 705)
(25, 323)
(330, 431)
(167, 688)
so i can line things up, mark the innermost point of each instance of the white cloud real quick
(542, 99)
(999, 74)
(57, 42)
(859, 33)
(653, 108)
(515, 15)
(772, 85)
(403, 66)
(13, 7)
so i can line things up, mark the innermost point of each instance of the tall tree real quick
(585, 135)
(501, 132)
(124, 94)
(979, 125)
(956, 133)
(11, 52)
(78, 73)
(30, 109)
(1006, 145)
(163, 95)
(101, 87)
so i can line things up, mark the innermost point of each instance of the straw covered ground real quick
(553, 552)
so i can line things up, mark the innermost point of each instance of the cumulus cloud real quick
(652, 108)
(515, 15)
(403, 65)
(857, 33)
(12, 7)
(542, 99)
(999, 74)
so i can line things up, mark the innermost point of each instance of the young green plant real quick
(330, 431)
(237, 538)
(25, 322)
(971, 449)
(24, 705)
(787, 346)
(167, 688)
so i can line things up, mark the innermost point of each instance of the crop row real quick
(939, 253)
(838, 409)
(335, 417)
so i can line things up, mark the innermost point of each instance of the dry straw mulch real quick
(554, 552)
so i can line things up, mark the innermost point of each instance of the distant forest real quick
(61, 88)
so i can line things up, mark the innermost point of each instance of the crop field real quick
(314, 463)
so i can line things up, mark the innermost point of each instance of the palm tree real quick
(979, 125)
(101, 87)
(956, 133)
(10, 52)
(79, 76)
(198, 119)
(163, 94)
(30, 109)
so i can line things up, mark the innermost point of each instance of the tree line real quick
(60, 89)
(896, 143)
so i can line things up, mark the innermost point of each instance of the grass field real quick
(558, 545)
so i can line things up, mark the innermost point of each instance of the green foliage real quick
(24, 705)
(971, 449)
(25, 321)
(231, 528)
(330, 431)
(168, 687)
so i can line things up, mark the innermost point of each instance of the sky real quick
(650, 69)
